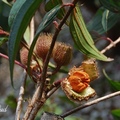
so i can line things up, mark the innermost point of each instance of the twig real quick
(111, 45)
(16, 62)
(20, 99)
(34, 105)
(90, 103)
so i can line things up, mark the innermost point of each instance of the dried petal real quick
(90, 66)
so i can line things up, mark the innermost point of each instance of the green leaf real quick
(47, 20)
(116, 114)
(114, 85)
(19, 25)
(51, 4)
(95, 24)
(11, 101)
(82, 37)
(112, 5)
(105, 19)
(3, 40)
(14, 11)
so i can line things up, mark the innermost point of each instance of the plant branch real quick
(43, 75)
(34, 106)
(16, 62)
(21, 94)
(90, 103)
(112, 44)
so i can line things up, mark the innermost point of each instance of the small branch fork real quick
(90, 103)
(111, 45)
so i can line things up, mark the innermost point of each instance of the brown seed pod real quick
(43, 45)
(62, 54)
(84, 95)
(24, 56)
(76, 85)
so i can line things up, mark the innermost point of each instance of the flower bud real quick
(62, 54)
(43, 45)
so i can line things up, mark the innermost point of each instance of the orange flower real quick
(79, 80)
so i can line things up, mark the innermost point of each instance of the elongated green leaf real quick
(19, 25)
(116, 114)
(114, 84)
(3, 40)
(82, 38)
(14, 11)
(105, 19)
(47, 20)
(95, 24)
(112, 5)
(51, 4)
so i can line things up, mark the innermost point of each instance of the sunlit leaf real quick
(82, 37)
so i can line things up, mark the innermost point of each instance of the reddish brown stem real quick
(16, 62)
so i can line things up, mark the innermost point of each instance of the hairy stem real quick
(16, 62)
(90, 103)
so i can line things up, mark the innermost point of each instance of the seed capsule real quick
(76, 85)
(43, 45)
(84, 95)
(62, 54)
(24, 56)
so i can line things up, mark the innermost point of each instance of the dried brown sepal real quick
(62, 54)
(90, 66)
(84, 95)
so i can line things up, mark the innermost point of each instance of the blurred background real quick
(59, 103)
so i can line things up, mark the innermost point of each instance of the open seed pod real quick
(90, 66)
(84, 95)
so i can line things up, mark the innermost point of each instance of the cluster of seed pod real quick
(61, 54)
(76, 85)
